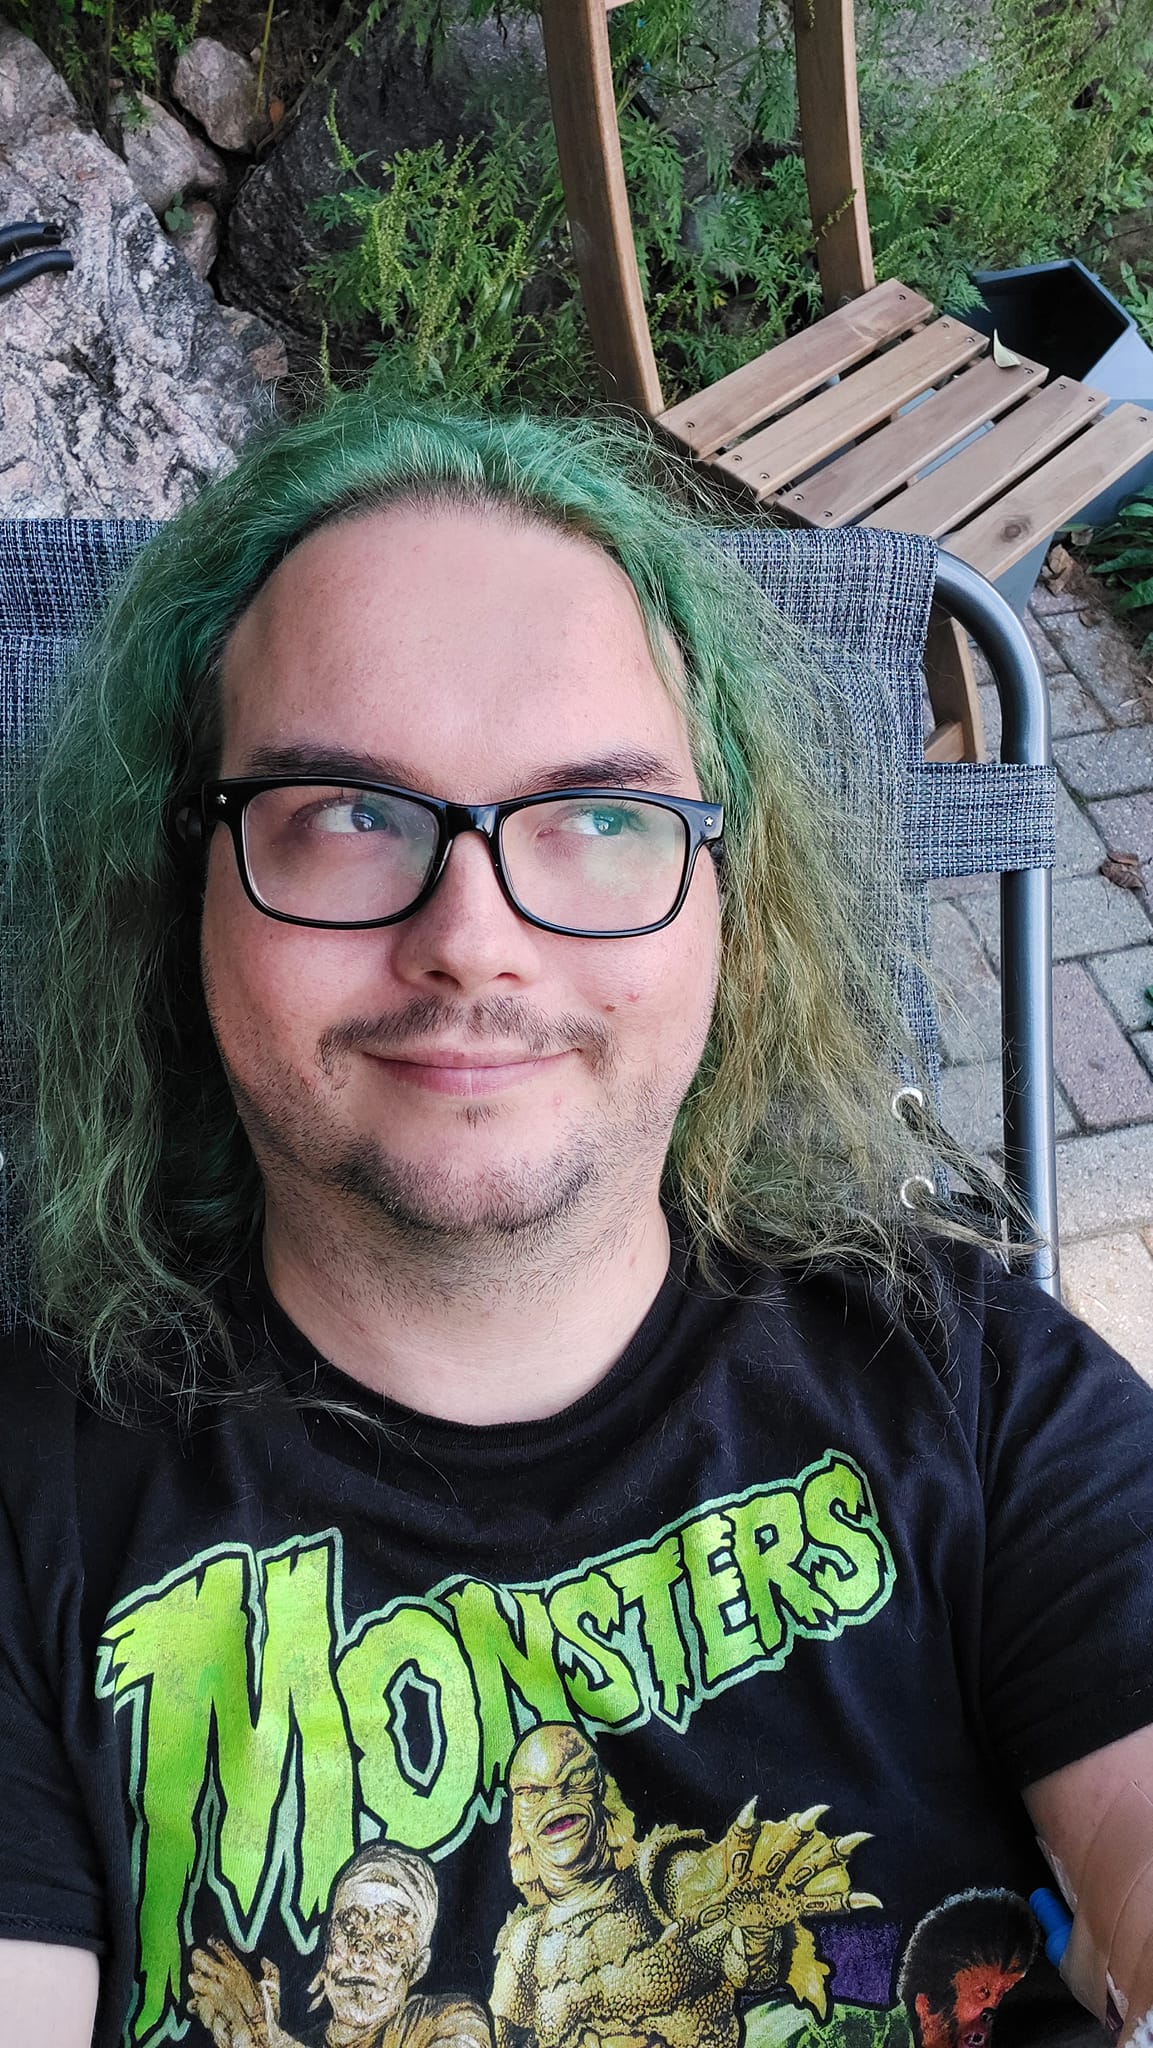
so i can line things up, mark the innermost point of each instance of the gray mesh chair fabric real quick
(860, 597)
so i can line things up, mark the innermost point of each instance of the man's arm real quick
(1094, 1820)
(47, 1995)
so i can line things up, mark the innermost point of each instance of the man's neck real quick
(490, 1339)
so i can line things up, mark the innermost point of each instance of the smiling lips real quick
(468, 1072)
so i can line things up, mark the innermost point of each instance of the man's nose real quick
(468, 933)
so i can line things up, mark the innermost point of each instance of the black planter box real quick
(1061, 315)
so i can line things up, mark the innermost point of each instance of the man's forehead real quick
(424, 627)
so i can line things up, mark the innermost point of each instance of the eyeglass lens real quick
(341, 855)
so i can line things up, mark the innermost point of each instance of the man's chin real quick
(432, 1204)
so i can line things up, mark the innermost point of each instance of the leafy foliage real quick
(1137, 299)
(439, 261)
(99, 44)
(1122, 553)
(1030, 154)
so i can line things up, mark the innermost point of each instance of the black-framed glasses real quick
(341, 856)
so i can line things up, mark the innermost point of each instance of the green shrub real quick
(438, 262)
(1122, 553)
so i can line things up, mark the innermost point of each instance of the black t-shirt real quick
(791, 1550)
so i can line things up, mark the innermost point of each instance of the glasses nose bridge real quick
(482, 818)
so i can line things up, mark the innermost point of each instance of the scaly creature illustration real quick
(627, 1943)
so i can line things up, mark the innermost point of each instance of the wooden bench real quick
(884, 412)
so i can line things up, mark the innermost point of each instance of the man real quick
(469, 1292)
(377, 1946)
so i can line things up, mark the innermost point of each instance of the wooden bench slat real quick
(793, 368)
(955, 492)
(1053, 495)
(785, 450)
(861, 478)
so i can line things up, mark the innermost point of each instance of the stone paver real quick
(1100, 1072)
(1071, 708)
(1090, 915)
(1126, 824)
(1105, 1182)
(1109, 1281)
(1102, 709)
(1102, 656)
(971, 1107)
(1080, 847)
(968, 992)
(1049, 655)
(991, 722)
(1124, 978)
(1101, 764)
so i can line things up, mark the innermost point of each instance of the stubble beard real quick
(436, 1215)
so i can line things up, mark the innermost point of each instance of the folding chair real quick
(863, 599)
(882, 413)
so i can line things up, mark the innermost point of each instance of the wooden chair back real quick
(584, 108)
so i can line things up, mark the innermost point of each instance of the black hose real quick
(22, 268)
(30, 234)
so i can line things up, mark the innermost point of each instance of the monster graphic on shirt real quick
(313, 1776)
(646, 1942)
(377, 1946)
(626, 1942)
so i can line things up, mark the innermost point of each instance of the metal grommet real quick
(3, 1163)
(909, 1094)
(915, 1180)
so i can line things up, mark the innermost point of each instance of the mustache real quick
(490, 1020)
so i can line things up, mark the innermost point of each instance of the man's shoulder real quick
(51, 1403)
(41, 1383)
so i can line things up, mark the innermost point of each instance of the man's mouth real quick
(472, 1070)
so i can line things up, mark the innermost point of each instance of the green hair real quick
(138, 1182)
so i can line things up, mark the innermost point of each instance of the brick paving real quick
(1102, 704)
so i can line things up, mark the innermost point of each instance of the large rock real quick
(218, 86)
(123, 389)
(383, 100)
(165, 162)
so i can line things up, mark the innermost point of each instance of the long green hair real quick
(137, 1180)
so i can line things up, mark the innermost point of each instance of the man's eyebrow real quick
(623, 768)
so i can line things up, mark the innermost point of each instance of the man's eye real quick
(346, 815)
(602, 821)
